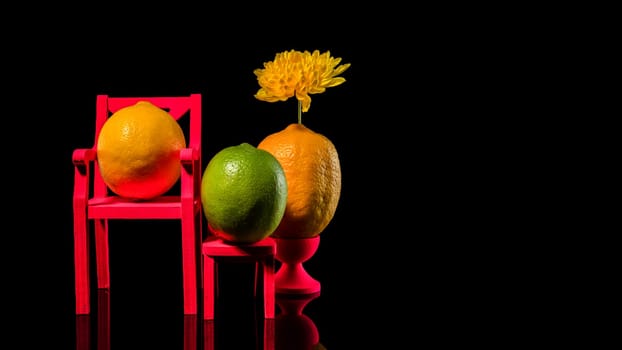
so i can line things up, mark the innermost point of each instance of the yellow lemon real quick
(138, 151)
(313, 172)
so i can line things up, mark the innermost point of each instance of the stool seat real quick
(215, 250)
(216, 247)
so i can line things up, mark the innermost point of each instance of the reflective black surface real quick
(239, 324)
(396, 261)
(145, 260)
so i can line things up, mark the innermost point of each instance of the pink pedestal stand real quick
(292, 278)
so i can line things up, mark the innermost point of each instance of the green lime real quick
(243, 193)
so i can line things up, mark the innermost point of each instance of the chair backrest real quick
(177, 106)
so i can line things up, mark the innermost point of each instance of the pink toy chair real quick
(92, 201)
(262, 253)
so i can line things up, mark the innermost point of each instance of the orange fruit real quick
(138, 151)
(312, 169)
(243, 193)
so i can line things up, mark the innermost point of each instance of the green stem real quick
(299, 112)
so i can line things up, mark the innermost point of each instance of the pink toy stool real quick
(216, 250)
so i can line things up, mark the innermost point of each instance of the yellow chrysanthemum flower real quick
(300, 74)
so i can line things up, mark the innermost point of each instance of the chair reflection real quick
(85, 340)
(191, 332)
(291, 329)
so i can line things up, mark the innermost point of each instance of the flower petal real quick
(296, 73)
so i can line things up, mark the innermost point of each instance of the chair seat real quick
(114, 207)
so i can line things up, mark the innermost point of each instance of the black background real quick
(145, 257)
(405, 257)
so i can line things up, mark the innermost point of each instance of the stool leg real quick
(268, 287)
(257, 265)
(216, 279)
(208, 289)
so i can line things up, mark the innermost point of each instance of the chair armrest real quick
(188, 155)
(82, 156)
(190, 175)
(81, 159)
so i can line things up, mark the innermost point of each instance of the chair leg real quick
(102, 253)
(209, 280)
(81, 263)
(268, 287)
(197, 226)
(189, 263)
